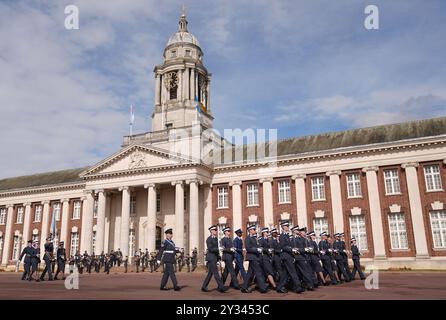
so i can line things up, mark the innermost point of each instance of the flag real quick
(132, 115)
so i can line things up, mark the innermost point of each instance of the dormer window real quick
(169, 125)
(188, 53)
(173, 53)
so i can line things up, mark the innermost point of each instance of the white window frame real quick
(74, 243)
(77, 209)
(20, 215)
(252, 194)
(400, 231)
(432, 177)
(318, 188)
(38, 213)
(392, 181)
(358, 230)
(354, 185)
(222, 197)
(3, 214)
(35, 237)
(17, 241)
(438, 226)
(284, 188)
(56, 210)
(95, 208)
(320, 225)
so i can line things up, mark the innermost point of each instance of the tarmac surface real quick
(143, 286)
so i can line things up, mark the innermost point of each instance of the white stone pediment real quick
(133, 158)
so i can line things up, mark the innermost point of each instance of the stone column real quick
(301, 199)
(151, 216)
(64, 223)
(194, 221)
(207, 217)
(100, 224)
(336, 201)
(26, 224)
(87, 222)
(208, 95)
(268, 210)
(180, 86)
(375, 212)
(8, 234)
(178, 232)
(186, 80)
(416, 210)
(125, 221)
(45, 225)
(192, 84)
(236, 204)
(157, 89)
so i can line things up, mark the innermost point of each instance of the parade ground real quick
(120, 286)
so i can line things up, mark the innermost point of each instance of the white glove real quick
(232, 249)
(157, 261)
(259, 250)
(295, 250)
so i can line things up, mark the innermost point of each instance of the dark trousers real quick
(305, 271)
(239, 267)
(26, 271)
(47, 269)
(357, 267)
(342, 272)
(212, 272)
(328, 270)
(229, 270)
(280, 272)
(168, 272)
(60, 268)
(255, 269)
(290, 271)
(347, 268)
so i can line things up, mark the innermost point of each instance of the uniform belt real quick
(169, 251)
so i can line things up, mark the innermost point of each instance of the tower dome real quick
(183, 35)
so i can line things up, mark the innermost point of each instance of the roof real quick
(42, 179)
(357, 137)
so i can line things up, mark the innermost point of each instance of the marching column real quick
(8, 231)
(100, 231)
(268, 201)
(301, 199)
(236, 204)
(151, 216)
(375, 212)
(193, 214)
(64, 224)
(125, 221)
(179, 213)
(26, 224)
(416, 210)
(336, 201)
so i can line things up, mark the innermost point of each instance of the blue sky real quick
(303, 67)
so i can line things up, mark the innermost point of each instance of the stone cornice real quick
(197, 181)
(266, 179)
(299, 176)
(333, 173)
(41, 189)
(174, 183)
(410, 165)
(371, 168)
(347, 152)
(235, 183)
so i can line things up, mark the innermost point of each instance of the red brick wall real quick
(426, 200)
(278, 208)
(363, 203)
(324, 205)
(402, 200)
(226, 212)
(256, 210)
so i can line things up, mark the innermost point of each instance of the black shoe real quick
(264, 290)
(236, 288)
(41, 279)
(362, 278)
(164, 289)
(177, 288)
(55, 278)
(205, 289)
(283, 290)
(310, 288)
(245, 290)
(224, 289)
(299, 290)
